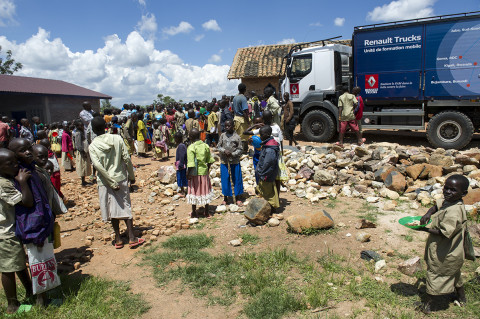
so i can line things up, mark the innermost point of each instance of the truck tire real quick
(318, 126)
(449, 130)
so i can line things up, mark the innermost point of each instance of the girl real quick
(67, 149)
(55, 140)
(55, 175)
(199, 161)
(202, 123)
(159, 142)
(181, 163)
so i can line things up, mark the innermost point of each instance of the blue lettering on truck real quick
(452, 57)
(394, 58)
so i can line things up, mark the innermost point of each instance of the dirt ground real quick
(104, 260)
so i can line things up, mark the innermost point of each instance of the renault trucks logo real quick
(294, 90)
(371, 83)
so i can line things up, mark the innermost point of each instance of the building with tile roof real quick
(258, 66)
(51, 100)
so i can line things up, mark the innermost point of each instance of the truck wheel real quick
(450, 130)
(318, 126)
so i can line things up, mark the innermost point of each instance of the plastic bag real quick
(468, 246)
(43, 267)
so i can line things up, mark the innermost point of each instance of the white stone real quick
(377, 185)
(221, 209)
(379, 265)
(235, 242)
(373, 199)
(233, 208)
(346, 191)
(292, 182)
(273, 222)
(192, 221)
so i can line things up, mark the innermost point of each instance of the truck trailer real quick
(420, 74)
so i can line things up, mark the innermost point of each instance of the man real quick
(240, 111)
(25, 131)
(112, 162)
(272, 105)
(4, 132)
(37, 126)
(86, 115)
(346, 106)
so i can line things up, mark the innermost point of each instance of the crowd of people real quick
(99, 147)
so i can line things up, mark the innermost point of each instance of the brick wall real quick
(258, 84)
(48, 108)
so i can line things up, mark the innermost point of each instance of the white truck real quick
(421, 74)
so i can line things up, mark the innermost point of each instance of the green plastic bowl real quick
(409, 219)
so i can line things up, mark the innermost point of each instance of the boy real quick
(212, 133)
(267, 168)
(191, 123)
(359, 109)
(346, 106)
(111, 160)
(230, 149)
(444, 253)
(12, 255)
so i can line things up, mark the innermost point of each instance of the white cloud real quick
(7, 12)
(130, 70)
(199, 37)
(316, 24)
(211, 25)
(143, 3)
(215, 58)
(339, 22)
(147, 25)
(183, 27)
(287, 41)
(402, 10)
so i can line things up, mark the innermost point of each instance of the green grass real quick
(249, 239)
(408, 238)
(87, 298)
(331, 203)
(368, 212)
(278, 283)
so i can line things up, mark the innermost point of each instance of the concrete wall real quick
(48, 108)
(258, 84)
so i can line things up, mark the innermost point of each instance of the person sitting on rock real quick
(230, 149)
(267, 168)
(112, 161)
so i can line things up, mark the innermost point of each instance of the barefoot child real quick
(181, 163)
(12, 255)
(111, 160)
(230, 149)
(199, 161)
(33, 224)
(159, 142)
(444, 252)
(267, 167)
(67, 149)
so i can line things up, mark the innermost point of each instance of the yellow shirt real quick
(348, 101)
(141, 128)
(212, 121)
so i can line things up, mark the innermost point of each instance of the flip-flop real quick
(119, 246)
(138, 243)
(21, 309)
(338, 144)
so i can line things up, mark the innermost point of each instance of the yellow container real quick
(57, 241)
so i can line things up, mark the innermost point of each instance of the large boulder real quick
(382, 173)
(431, 171)
(411, 266)
(258, 211)
(323, 177)
(414, 171)
(441, 160)
(167, 174)
(395, 182)
(306, 172)
(472, 197)
(309, 220)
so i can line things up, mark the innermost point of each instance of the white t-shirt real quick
(276, 133)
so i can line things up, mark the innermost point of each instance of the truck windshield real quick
(301, 66)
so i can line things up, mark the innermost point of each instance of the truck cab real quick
(313, 75)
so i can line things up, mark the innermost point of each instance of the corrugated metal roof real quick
(29, 85)
(265, 60)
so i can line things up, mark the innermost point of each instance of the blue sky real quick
(135, 49)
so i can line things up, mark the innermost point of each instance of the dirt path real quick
(172, 302)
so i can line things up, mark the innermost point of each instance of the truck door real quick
(300, 76)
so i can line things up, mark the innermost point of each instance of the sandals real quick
(138, 243)
(338, 144)
(363, 142)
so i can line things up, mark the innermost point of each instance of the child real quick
(444, 252)
(191, 123)
(159, 142)
(346, 105)
(55, 175)
(166, 135)
(112, 161)
(12, 255)
(267, 168)
(55, 140)
(181, 163)
(67, 149)
(33, 224)
(212, 133)
(230, 149)
(82, 165)
(202, 124)
(141, 137)
(199, 161)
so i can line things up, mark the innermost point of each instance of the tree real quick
(161, 99)
(105, 105)
(8, 65)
